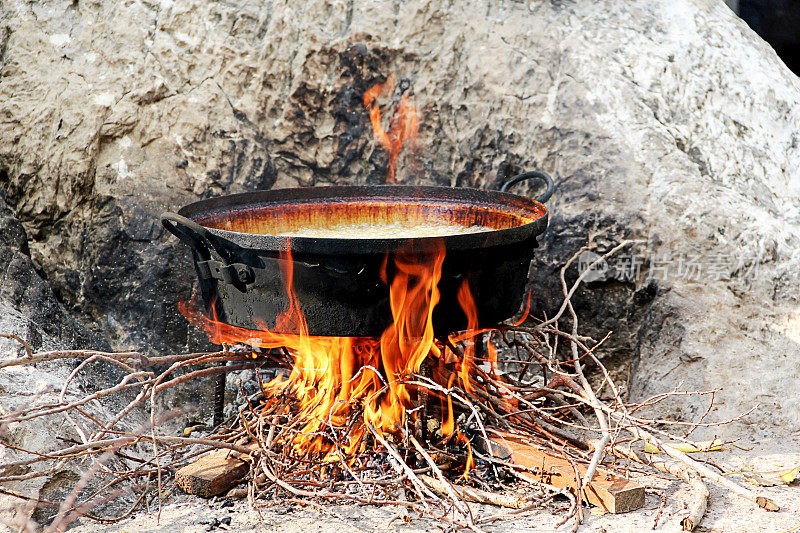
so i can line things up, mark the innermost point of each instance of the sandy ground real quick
(726, 512)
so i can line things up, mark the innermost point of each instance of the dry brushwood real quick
(418, 466)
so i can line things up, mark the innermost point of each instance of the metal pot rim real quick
(202, 210)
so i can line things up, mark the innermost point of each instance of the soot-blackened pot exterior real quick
(339, 283)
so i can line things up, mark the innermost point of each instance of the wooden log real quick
(212, 474)
(612, 493)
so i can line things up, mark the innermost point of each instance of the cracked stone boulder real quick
(31, 317)
(30, 311)
(669, 123)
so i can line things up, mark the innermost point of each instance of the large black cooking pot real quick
(338, 281)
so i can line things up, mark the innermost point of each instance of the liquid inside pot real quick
(384, 230)
(368, 218)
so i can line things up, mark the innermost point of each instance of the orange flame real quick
(467, 304)
(406, 343)
(333, 377)
(403, 127)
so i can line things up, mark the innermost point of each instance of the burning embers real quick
(351, 392)
(403, 127)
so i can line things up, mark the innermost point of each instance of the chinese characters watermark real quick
(640, 266)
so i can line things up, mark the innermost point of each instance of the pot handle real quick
(538, 174)
(189, 231)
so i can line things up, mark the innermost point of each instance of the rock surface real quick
(30, 311)
(31, 308)
(22, 388)
(671, 123)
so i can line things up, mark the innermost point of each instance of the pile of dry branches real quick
(539, 391)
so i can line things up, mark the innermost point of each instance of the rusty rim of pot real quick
(250, 219)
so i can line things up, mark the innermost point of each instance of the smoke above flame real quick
(404, 125)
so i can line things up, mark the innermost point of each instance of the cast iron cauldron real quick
(338, 280)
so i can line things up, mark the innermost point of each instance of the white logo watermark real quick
(633, 266)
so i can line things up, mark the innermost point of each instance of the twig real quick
(703, 470)
(402, 468)
(475, 495)
(443, 483)
(582, 276)
(699, 490)
(25, 344)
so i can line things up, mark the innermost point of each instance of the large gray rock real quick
(30, 311)
(670, 122)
